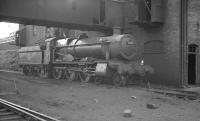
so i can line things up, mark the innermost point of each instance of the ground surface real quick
(75, 101)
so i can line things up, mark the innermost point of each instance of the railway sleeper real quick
(12, 112)
(8, 115)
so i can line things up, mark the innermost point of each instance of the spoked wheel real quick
(25, 71)
(67, 75)
(29, 71)
(72, 75)
(57, 73)
(84, 77)
(43, 72)
(98, 80)
(34, 71)
(119, 80)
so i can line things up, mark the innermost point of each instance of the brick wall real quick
(194, 21)
(194, 29)
(164, 60)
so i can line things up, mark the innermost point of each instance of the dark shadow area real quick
(191, 68)
(192, 59)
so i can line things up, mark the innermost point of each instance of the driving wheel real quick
(57, 73)
(84, 77)
(72, 75)
(67, 75)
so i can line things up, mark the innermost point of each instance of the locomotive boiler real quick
(113, 47)
(115, 58)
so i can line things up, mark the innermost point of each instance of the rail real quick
(14, 112)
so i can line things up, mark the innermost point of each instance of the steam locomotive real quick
(114, 58)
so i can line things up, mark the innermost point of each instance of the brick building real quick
(168, 32)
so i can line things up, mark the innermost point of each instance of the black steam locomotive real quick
(115, 58)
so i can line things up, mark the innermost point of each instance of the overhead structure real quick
(78, 14)
(100, 15)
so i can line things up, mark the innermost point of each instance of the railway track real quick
(12, 112)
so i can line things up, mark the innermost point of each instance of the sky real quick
(7, 28)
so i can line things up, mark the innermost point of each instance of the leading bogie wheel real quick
(119, 80)
(98, 80)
